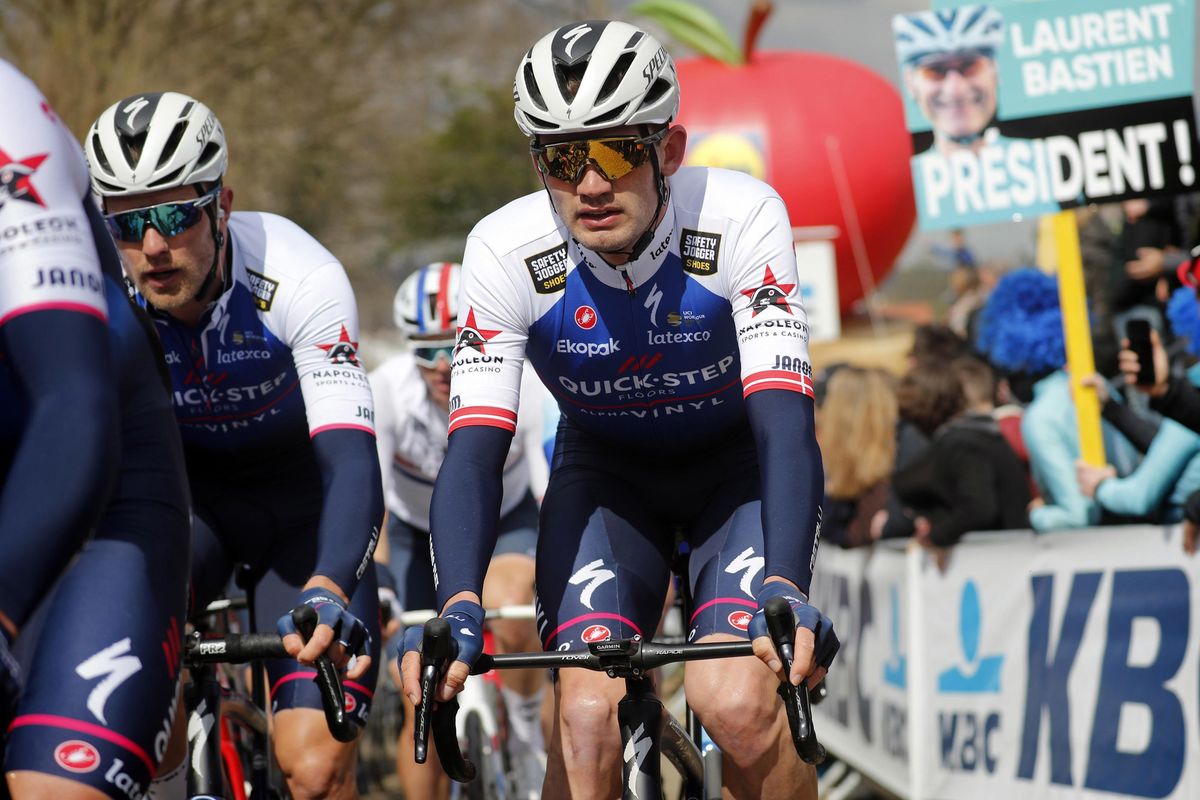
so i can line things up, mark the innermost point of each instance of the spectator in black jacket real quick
(969, 479)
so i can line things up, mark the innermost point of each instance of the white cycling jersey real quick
(658, 353)
(47, 259)
(275, 357)
(411, 432)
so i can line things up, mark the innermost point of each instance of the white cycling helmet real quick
(625, 77)
(427, 302)
(946, 31)
(149, 142)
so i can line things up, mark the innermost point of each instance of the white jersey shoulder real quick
(302, 293)
(47, 259)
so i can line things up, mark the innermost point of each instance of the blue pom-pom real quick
(1183, 310)
(1020, 328)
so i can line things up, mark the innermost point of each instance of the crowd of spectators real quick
(979, 432)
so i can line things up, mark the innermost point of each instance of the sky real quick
(860, 30)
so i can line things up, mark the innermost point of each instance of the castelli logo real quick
(351, 703)
(77, 756)
(585, 317)
(596, 633)
(740, 620)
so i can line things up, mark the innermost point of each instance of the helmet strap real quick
(218, 246)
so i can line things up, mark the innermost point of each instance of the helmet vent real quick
(596, 122)
(633, 40)
(187, 109)
(532, 87)
(100, 156)
(615, 76)
(657, 91)
(212, 151)
(166, 180)
(131, 147)
(569, 78)
(168, 151)
(542, 124)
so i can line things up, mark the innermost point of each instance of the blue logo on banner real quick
(895, 670)
(976, 675)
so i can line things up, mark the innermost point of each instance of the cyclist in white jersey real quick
(260, 330)
(660, 305)
(412, 396)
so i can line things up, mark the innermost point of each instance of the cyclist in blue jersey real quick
(660, 305)
(260, 330)
(93, 497)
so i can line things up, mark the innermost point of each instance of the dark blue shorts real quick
(409, 560)
(271, 524)
(609, 522)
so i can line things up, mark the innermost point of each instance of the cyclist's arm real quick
(485, 394)
(323, 335)
(777, 384)
(68, 452)
(465, 512)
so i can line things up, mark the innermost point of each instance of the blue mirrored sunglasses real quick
(169, 219)
(430, 353)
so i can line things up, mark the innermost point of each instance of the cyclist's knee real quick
(737, 705)
(509, 581)
(587, 714)
(315, 765)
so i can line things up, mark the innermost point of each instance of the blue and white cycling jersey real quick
(658, 353)
(274, 360)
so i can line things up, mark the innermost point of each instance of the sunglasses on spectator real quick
(615, 156)
(968, 65)
(169, 219)
(428, 353)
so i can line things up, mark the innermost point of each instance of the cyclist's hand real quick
(339, 634)
(816, 643)
(466, 629)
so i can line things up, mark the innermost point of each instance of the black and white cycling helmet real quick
(947, 30)
(149, 142)
(628, 78)
(427, 301)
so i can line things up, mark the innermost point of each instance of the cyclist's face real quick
(609, 215)
(956, 92)
(169, 271)
(437, 379)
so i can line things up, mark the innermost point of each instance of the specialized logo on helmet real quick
(132, 110)
(14, 179)
(574, 35)
(472, 336)
(595, 633)
(343, 351)
(771, 293)
(76, 756)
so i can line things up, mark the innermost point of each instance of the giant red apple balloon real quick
(827, 133)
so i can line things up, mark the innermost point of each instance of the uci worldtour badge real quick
(263, 289)
(699, 251)
(548, 270)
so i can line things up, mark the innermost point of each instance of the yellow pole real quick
(1078, 335)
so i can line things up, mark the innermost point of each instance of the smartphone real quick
(1138, 333)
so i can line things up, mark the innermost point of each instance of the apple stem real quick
(759, 11)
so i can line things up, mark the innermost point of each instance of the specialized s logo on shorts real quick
(548, 270)
(699, 251)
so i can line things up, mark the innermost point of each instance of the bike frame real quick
(640, 713)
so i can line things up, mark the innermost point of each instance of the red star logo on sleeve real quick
(770, 293)
(14, 178)
(343, 351)
(471, 335)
